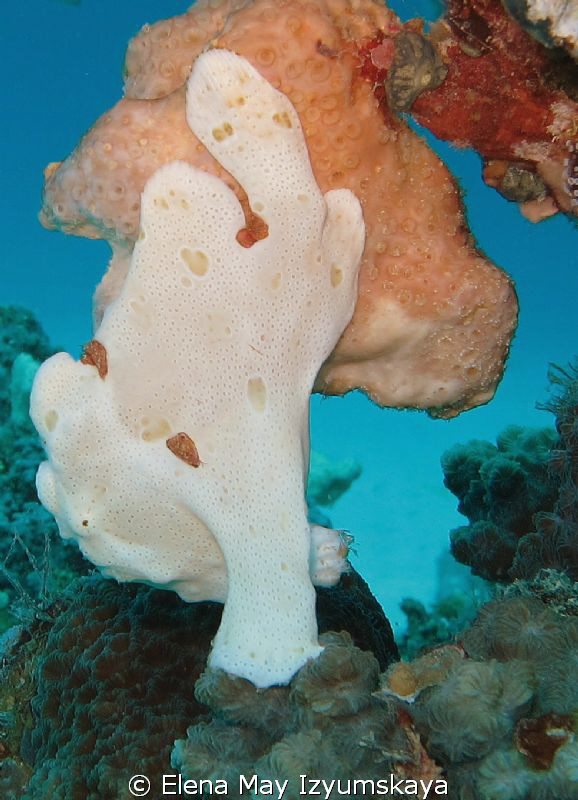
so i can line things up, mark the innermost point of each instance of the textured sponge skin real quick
(185, 439)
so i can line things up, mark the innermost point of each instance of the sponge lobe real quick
(215, 345)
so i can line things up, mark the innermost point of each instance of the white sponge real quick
(183, 438)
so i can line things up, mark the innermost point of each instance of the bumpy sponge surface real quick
(183, 437)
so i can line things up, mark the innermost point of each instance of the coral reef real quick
(459, 596)
(28, 571)
(110, 683)
(209, 499)
(19, 333)
(426, 628)
(521, 496)
(113, 687)
(328, 479)
(554, 543)
(498, 710)
(500, 488)
(326, 724)
(493, 87)
(433, 317)
(19, 648)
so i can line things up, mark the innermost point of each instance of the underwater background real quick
(108, 680)
(63, 68)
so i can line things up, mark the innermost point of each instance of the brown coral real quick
(406, 680)
(540, 738)
(513, 628)
(332, 726)
(477, 706)
(102, 692)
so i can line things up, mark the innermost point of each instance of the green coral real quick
(499, 487)
(328, 479)
(441, 623)
(521, 496)
(553, 543)
(34, 561)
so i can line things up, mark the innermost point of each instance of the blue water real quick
(62, 69)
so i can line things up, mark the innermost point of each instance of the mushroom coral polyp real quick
(233, 186)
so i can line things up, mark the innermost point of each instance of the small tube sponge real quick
(329, 549)
(182, 437)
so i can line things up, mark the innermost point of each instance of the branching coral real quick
(521, 497)
(499, 488)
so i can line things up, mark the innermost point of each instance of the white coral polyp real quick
(222, 343)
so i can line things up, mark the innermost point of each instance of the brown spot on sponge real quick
(94, 353)
(184, 448)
